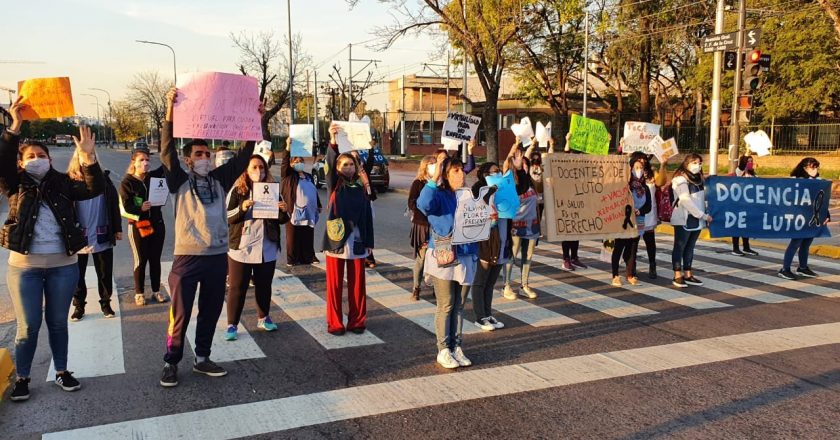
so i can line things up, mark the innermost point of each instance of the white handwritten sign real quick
(637, 136)
(352, 136)
(214, 105)
(523, 130)
(472, 217)
(543, 134)
(459, 127)
(301, 135)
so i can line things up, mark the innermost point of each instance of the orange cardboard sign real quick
(46, 98)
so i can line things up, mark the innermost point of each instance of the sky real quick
(93, 41)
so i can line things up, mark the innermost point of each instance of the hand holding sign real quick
(46, 98)
(589, 136)
(266, 196)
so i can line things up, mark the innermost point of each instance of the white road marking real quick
(524, 311)
(251, 419)
(309, 311)
(221, 351)
(96, 346)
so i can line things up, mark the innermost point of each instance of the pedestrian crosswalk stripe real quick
(524, 311)
(659, 292)
(222, 351)
(269, 416)
(95, 345)
(308, 310)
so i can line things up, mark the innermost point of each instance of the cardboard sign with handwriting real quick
(46, 98)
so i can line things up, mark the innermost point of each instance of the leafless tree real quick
(147, 94)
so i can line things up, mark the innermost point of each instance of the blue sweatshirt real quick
(438, 205)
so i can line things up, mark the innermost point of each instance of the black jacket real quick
(112, 205)
(236, 220)
(289, 181)
(56, 189)
(133, 192)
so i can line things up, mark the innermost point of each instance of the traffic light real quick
(751, 80)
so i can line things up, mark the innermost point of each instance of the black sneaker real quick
(169, 377)
(20, 391)
(209, 368)
(358, 331)
(786, 274)
(737, 253)
(78, 314)
(750, 252)
(107, 311)
(679, 282)
(693, 281)
(805, 272)
(67, 382)
(652, 272)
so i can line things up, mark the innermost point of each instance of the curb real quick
(6, 370)
(822, 250)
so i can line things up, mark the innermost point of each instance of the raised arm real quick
(229, 172)
(511, 153)
(286, 159)
(175, 175)
(93, 182)
(329, 162)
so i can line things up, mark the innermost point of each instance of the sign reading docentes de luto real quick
(768, 208)
(460, 127)
(586, 197)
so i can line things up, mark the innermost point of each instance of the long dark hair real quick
(449, 164)
(742, 165)
(341, 179)
(800, 172)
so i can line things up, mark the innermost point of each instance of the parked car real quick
(318, 175)
(140, 146)
(380, 177)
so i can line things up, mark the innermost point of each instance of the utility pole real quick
(491, 124)
(735, 128)
(350, 75)
(402, 118)
(315, 132)
(308, 110)
(585, 62)
(291, 67)
(714, 135)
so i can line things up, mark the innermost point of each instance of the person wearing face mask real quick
(419, 223)
(808, 168)
(642, 202)
(526, 224)
(303, 206)
(451, 267)
(688, 219)
(348, 239)
(493, 253)
(146, 229)
(653, 179)
(745, 168)
(43, 236)
(254, 245)
(101, 222)
(201, 244)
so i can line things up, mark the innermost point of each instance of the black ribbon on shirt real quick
(628, 213)
(818, 202)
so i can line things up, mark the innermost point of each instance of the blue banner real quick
(755, 207)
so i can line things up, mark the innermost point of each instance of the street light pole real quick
(291, 67)
(98, 120)
(174, 66)
(714, 133)
(110, 115)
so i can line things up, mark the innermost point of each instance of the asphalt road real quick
(746, 356)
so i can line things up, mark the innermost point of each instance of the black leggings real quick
(570, 249)
(103, 263)
(239, 276)
(625, 247)
(650, 245)
(146, 250)
(745, 240)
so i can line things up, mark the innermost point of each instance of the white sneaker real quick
(509, 293)
(494, 322)
(485, 325)
(139, 299)
(445, 359)
(458, 355)
(528, 291)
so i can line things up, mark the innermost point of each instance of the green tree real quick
(128, 122)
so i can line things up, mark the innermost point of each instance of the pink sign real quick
(213, 105)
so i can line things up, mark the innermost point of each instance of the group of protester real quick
(57, 221)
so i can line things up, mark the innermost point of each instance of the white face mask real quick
(694, 168)
(37, 167)
(201, 167)
(430, 169)
(811, 172)
(256, 176)
(637, 173)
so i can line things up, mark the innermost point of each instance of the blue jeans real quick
(683, 254)
(37, 291)
(801, 244)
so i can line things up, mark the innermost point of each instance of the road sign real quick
(729, 61)
(752, 37)
(764, 62)
(716, 42)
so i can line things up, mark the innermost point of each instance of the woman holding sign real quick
(146, 229)
(451, 267)
(348, 239)
(808, 168)
(526, 224)
(688, 219)
(642, 202)
(100, 220)
(745, 168)
(254, 244)
(42, 234)
(419, 223)
(303, 206)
